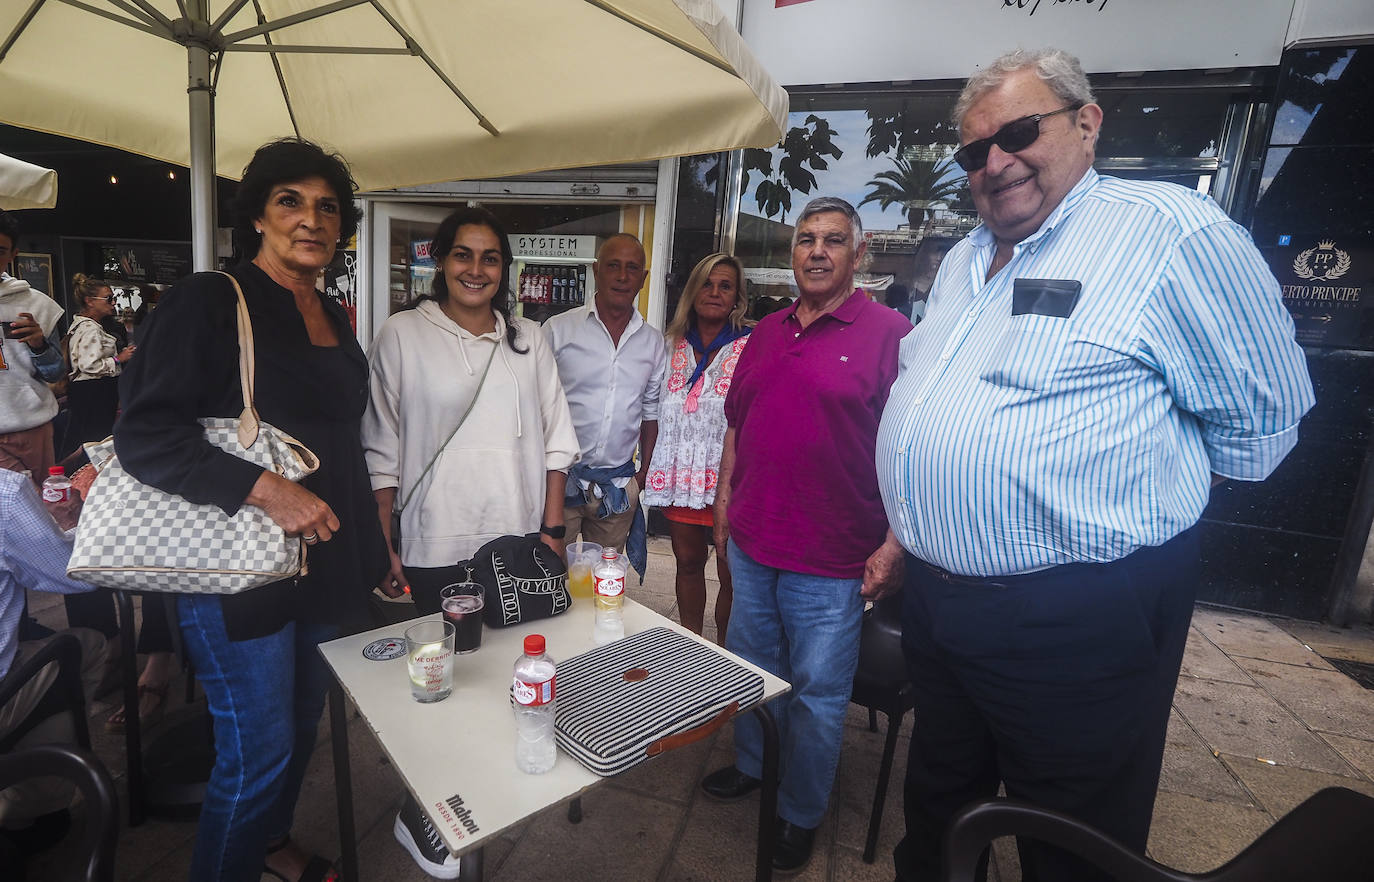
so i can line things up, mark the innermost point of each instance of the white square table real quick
(472, 796)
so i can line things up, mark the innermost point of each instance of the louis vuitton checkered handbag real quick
(135, 536)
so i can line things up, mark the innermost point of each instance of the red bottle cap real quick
(534, 644)
(57, 470)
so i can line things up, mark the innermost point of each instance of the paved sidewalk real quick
(1261, 721)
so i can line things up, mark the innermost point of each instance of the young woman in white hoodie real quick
(504, 470)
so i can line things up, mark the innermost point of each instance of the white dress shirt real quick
(1014, 442)
(611, 388)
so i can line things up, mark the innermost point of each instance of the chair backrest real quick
(979, 823)
(880, 639)
(1330, 836)
(102, 806)
(66, 692)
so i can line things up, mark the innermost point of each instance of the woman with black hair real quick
(467, 434)
(503, 470)
(255, 653)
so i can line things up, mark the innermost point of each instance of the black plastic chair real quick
(65, 695)
(881, 684)
(1328, 837)
(97, 788)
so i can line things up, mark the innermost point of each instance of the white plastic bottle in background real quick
(56, 487)
(608, 577)
(535, 694)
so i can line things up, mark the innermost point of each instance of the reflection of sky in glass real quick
(847, 177)
(1273, 162)
(1291, 121)
(1337, 67)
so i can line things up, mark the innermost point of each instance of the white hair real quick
(1056, 68)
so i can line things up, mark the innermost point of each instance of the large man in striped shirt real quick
(1095, 356)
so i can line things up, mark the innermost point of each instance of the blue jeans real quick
(805, 629)
(266, 696)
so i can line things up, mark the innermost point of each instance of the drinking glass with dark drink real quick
(462, 605)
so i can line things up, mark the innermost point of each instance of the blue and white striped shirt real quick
(1014, 443)
(33, 554)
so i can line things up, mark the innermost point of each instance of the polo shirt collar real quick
(846, 312)
(982, 237)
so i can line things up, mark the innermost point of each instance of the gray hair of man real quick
(823, 204)
(1058, 69)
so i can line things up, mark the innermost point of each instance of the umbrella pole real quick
(200, 92)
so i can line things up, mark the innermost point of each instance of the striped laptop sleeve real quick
(616, 700)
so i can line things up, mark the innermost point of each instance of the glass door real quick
(400, 269)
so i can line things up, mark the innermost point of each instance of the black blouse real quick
(187, 368)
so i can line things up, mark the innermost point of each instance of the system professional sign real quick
(555, 247)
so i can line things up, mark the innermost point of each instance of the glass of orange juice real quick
(582, 556)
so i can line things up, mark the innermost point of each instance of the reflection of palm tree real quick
(916, 184)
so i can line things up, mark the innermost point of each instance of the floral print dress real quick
(691, 429)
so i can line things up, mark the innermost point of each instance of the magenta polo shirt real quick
(805, 405)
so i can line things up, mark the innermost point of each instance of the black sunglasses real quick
(1013, 137)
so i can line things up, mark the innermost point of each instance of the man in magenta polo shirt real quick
(799, 511)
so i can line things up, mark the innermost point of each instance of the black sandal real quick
(317, 869)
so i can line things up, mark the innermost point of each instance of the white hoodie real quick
(490, 479)
(25, 399)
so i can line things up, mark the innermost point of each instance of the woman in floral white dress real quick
(705, 340)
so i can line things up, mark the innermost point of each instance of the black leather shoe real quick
(792, 847)
(729, 784)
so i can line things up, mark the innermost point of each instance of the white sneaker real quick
(418, 836)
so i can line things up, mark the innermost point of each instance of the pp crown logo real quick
(1324, 263)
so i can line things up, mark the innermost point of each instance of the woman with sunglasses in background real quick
(96, 361)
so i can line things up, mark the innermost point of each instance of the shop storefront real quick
(556, 222)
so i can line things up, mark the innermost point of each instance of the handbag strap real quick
(248, 420)
(462, 419)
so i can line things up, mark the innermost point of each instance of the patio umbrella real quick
(25, 185)
(409, 91)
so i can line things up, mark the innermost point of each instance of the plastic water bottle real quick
(57, 488)
(60, 500)
(608, 577)
(534, 688)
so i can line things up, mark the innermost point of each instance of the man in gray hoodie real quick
(30, 359)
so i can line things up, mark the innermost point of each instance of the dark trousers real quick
(1057, 684)
(91, 409)
(427, 582)
(96, 610)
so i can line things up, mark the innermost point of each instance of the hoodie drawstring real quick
(505, 359)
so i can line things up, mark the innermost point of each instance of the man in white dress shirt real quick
(611, 363)
(1097, 354)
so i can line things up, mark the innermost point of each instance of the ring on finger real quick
(311, 539)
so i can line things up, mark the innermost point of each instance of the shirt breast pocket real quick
(1028, 352)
